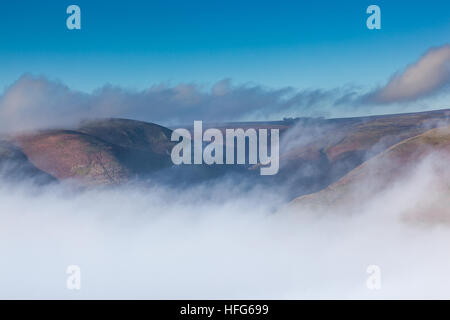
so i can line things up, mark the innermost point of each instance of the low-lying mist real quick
(222, 240)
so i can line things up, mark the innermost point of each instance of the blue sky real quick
(135, 44)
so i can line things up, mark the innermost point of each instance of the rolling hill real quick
(101, 152)
(314, 152)
(381, 172)
(320, 153)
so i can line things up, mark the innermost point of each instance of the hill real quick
(313, 156)
(14, 165)
(314, 153)
(109, 151)
(395, 164)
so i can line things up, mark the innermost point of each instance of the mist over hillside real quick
(202, 150)
(314, 152)
(159, 232)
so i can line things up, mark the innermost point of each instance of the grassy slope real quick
(113, 150)
(379, 172)
(343, 144)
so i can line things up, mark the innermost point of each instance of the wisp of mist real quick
(218, 240)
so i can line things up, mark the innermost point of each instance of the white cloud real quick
(218, 241)
(36, 102)
(428, 76)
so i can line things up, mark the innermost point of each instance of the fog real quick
(223, 240)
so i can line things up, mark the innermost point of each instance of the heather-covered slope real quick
(384, 170)
(71, 154)
(101, 152)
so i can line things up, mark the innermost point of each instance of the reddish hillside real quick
(314, 153)
(70, 154)
(108, 151)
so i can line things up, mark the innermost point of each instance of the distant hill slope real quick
(321, 152)
(70, 154)
(130, 134)
(380, 172)
(314, 153)
(141, 147)
(109, 151)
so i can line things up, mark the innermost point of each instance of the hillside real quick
(109, 151)
(142, 147)
(14, 165)
(381, 172)
(314, 153)
(319, 154)
(69, 154)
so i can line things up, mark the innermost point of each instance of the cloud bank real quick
(427, 76)
(36, 102)
(220, 241)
